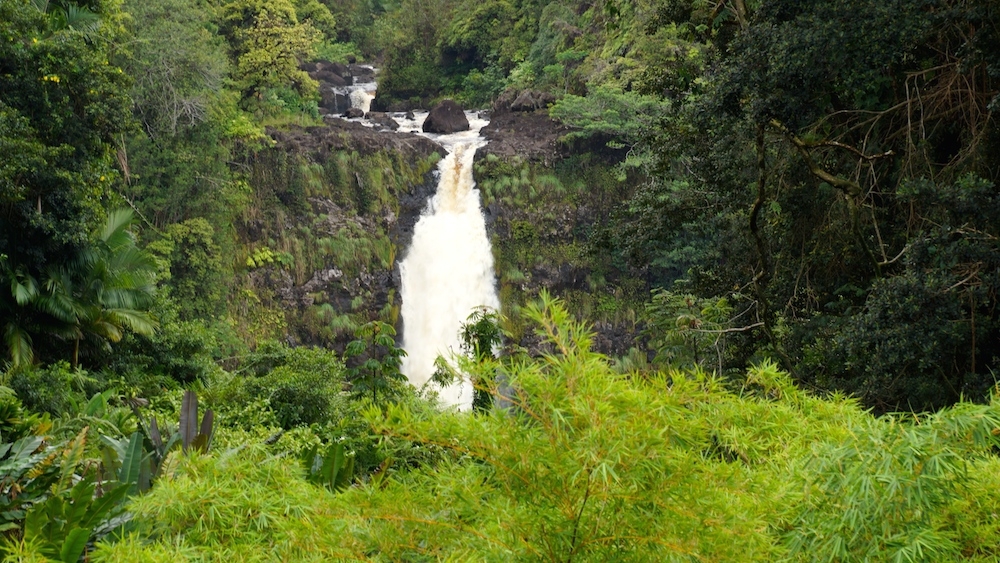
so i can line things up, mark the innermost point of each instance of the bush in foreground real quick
(591, 466)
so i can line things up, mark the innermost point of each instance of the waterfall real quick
(448, 271)
(359, 93)
(361, 96)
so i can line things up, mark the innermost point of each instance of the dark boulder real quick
(354, 112)
(396, 107)
(340, 69)
(446, 117)
(331, 78)
(503, 101)
(525, 101)
(332, 101)
(530, 100)
(383, 119)
(362, 73)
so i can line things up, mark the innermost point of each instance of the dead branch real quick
(727, 330)
(849, 187)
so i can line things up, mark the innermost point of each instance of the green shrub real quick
(336, 52)
(55, 389)
(299, 386)
(297, 398)
(586, 465)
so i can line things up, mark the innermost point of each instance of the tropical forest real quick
(499, 280)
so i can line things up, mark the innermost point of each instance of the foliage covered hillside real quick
(826, 168)
(781, 216)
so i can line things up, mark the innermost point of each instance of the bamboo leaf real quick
(199, 444)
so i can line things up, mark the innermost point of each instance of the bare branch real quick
(727, 330)
(898, 256)
(849, 148)
(847, 186)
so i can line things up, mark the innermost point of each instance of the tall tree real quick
(268, 41)
(63, 104)
(835, 163)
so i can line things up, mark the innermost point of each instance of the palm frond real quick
(139, 322)
(19, 345)
(24, 289)
(115, 232)
(81, 19)
(105, 326)
(58, 300)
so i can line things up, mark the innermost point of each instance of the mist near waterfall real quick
(448, 271)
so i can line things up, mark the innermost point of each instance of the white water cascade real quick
(448, 271)
(361, 96)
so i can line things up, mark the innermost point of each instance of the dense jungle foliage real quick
(792, 204)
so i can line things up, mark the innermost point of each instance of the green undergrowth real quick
(588, 465)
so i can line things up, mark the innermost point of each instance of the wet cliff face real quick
(545, 201)
(334, 210)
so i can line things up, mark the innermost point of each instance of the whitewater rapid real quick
(448, 271)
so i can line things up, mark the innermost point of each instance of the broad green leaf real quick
(74, 544)
(131, 463)
(189, 419)
(104, 506)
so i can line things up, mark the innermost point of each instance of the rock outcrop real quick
(531, 100)
(332, 101)
(361, 73)
(383, 120)
(446, 117)
(346, 164)
(333, 79)
(530, 135)
(531, 218)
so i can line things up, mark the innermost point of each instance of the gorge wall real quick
(546, 202)
(336, 206)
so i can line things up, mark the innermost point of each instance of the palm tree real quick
(116, 287)
(106, 288)
(15, 309)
